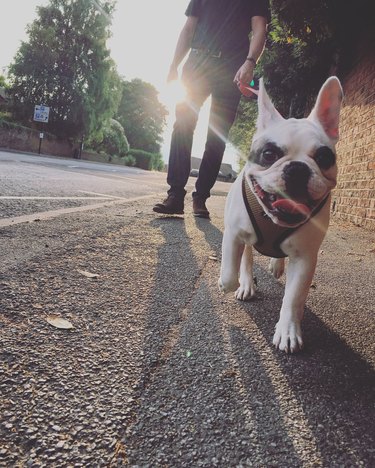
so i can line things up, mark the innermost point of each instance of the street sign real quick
(41, 113)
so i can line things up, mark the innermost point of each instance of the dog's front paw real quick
(227, 286)
(246, 291)
(276, 267)
(288, 336)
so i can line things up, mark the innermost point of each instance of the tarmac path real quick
(160, 369)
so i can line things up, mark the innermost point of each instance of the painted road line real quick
(56, 213)
(102, 197)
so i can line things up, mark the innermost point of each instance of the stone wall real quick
(27, 140)
(23, 139)
(354, 196)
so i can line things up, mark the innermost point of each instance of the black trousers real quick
(203, 77)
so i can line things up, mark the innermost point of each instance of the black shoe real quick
(171, 205)
(199, 208)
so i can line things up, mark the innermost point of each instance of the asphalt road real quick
(160, 369)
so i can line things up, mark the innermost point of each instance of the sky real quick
(144, 35)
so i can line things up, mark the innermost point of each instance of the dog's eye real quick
(269, 156)
(325, 157)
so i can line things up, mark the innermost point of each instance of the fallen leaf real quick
(120, 452)
(58, 322)
(188, 353)
(88, 274)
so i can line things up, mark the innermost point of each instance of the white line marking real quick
(56, 213)
(103, 197)
(100, 194)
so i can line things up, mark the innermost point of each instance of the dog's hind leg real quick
(277, 267)
(247, 287)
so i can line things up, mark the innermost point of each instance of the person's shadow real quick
(212, 234)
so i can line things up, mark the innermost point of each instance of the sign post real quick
(41, 114)
(41, 136)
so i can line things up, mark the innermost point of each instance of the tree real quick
(66, 65)
(142, 115)
(243, 129)
(114, 141)
(308, 40)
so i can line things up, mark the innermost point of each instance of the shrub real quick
(129, 160)
(146, 160)
(143, 159)
(157, 162)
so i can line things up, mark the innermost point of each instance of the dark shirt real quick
(224, 25)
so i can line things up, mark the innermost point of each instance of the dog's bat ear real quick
(267, 113)
(327, 107)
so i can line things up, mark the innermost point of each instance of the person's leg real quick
(225, 100)
(180, 156)
(187, 112)
(181, 144)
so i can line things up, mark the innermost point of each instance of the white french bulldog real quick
(280, 203)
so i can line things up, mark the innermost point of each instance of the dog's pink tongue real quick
(291, 206)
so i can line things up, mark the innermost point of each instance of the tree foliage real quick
(243, 130)
(66, 65)
(114, 141)
(142, 115)
(307, 41)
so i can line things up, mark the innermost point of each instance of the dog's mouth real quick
(286, 210)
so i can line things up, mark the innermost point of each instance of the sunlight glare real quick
(171, 94)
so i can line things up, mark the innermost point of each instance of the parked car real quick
(225, 177)
(221, 176)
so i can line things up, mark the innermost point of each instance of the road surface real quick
(160, 369)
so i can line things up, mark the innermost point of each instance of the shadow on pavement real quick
(332, 383)
(280, 410)
(190, 410)
(212, 234)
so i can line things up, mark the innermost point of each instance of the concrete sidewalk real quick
(160, 369)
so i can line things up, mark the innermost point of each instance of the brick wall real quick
(354, 196)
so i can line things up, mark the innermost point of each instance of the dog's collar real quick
(269, 235)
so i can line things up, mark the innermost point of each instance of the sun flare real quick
(171, 94)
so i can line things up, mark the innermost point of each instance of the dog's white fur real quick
(299, 140)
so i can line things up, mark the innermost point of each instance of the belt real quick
(207, 53)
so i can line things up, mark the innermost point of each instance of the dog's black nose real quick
(296, 175)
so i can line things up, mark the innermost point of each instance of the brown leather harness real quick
(269, 235)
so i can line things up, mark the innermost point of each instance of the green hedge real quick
(146, 160)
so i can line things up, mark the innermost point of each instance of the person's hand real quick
(173, 74)
(245, 73)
